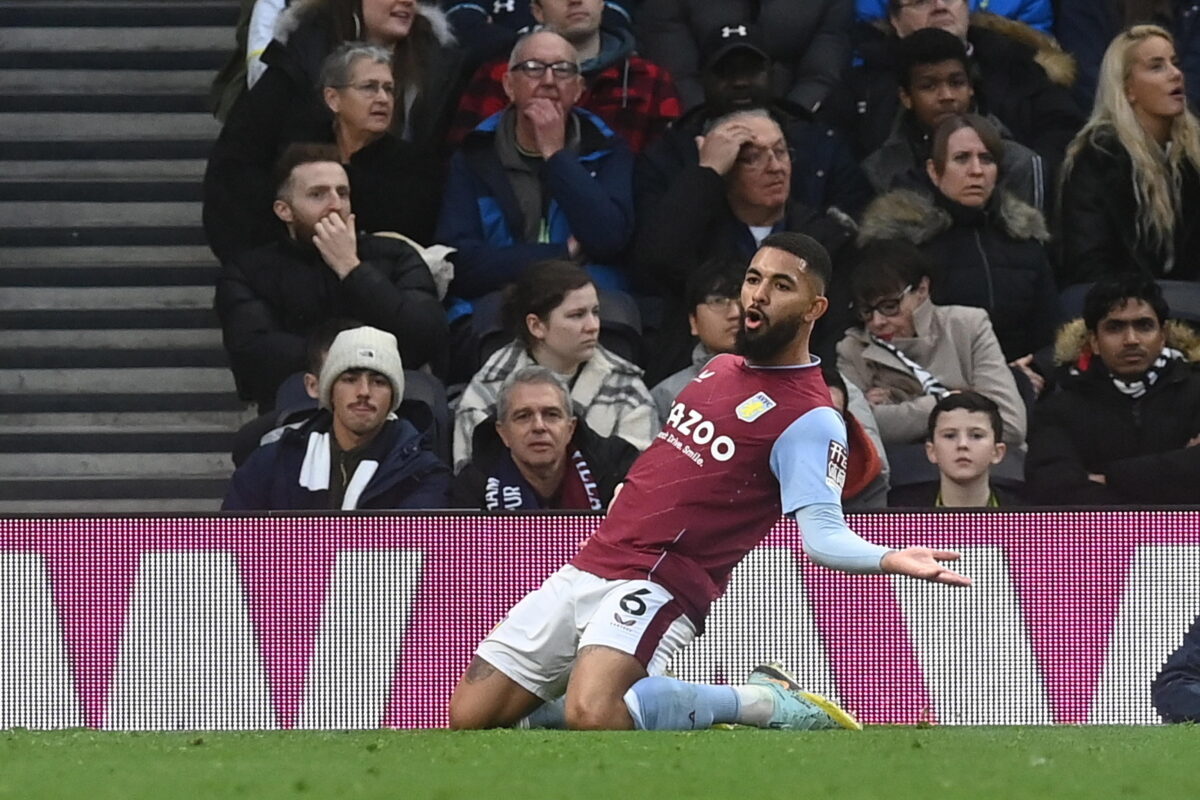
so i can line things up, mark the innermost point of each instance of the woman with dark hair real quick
(986, 247)
(286, 105)
(1131, 180)
(908, 352)
(554, 313)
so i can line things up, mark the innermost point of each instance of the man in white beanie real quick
(356, 453)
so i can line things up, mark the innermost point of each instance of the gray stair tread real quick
(38, 298)
(134, 255)
(169, 38)
(84, 215)
(126, 81)
(126, 422)
(55, 126)
(113, 170)
(150, 380)
(160, 466)
(113, 339)
(194, 505)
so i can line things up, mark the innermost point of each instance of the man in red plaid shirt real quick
(634, 96)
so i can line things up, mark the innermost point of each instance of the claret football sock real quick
(667, 704)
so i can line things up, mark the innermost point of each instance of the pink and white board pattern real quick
(367, 621)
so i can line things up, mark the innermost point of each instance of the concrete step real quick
(120, 190)
(172, 146)
(125, 441)
(125, 421)
(119, 14)
(147, 356)
(168, 256)
(105, 103)
(106, 127)
(117, 318)
(113, 340)
(167, 275)
(115, 381)
(120, 59)
(130, 401)
(119, 507)
(162, 169)
(105, 80)
(84, 215)
(116, 465)
(123, 297)
(63, 39)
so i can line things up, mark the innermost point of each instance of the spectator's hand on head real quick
(1025, 364)
(549, 125)
(719, 148)
(878, 396)
(337, 243)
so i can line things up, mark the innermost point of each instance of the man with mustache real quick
(1124, 425)
(754, 436)
(356, 453)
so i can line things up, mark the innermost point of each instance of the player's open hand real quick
(922, 562)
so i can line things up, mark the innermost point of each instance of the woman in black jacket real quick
(1130, 197)
(987, 247)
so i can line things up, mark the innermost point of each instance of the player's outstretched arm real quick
(922, 563)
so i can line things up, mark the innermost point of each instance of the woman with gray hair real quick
(393, 186)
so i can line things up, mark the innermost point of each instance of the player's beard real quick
(769, 341)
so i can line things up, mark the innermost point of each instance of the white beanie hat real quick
(363, 348)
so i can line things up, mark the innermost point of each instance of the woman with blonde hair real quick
(1130, 198)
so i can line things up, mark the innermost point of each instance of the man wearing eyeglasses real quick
(1019, 75)
(738, 193)
(634, 95)
(539, 180)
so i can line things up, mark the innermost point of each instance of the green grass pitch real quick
(880, 762)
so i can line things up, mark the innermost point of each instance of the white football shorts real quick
(536, 643)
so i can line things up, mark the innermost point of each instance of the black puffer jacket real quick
(991, 258)
(809, 42)
(1176, 688)
(270, 299)
(1099, 234)
(1139, 445)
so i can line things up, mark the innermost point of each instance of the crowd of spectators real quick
(471, 252)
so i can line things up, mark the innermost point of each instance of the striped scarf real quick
(929, 382)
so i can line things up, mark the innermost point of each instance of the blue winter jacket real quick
(408, 476)
(590, 195)
(1034, 13)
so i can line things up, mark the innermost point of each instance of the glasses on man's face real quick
(536, 69)
(753, 157)
(925, 5)
(371, 88)
(889, 307)
(721, 305)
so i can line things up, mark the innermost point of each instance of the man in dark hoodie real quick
(636, 97)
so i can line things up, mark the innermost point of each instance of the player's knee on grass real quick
(486, 698)
(597, 713)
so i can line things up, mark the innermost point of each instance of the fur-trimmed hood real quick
(915, 217)
(295, 14)
(1072, 341)
(1060, 65)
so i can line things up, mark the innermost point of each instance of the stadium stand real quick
(114, 390)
